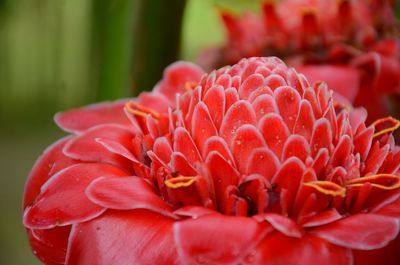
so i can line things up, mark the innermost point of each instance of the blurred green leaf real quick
(112, 46)
(157, 35)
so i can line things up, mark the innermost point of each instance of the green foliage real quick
(112, 47)
(157, 36)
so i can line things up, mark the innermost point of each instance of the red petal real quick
(62, 200)
(288, 101)
(223, 175)
(252, 83)
(275, 132)
(85, 148)
(277, 249)
(215, 101)
(193, 211)
(154, 101)
(163, 149)
(231, 97)
(321, 136)
(175, 77)
(388, 255)
(361, 231)
(183, 143)
(216, 239)
(322, 218)
(305, 120)
(238, 114)
(218, 144)
(288, 178)
(78, 120)
(281, 223)
(343, 79)
(50, 162)
(274, 81)
(246, 139)
(123, 237)
(362, 142)
(297, 146)
(342, 151)
(180, 165)
(257, 161)
(202, 125)
(264, 104)
(375, 159)
(50, 245)
(126, 193)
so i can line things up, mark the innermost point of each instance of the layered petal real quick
(123, 237)
(50, 208)
(81, 119)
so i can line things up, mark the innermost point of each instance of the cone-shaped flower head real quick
(250, 165)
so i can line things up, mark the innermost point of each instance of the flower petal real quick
(253, 82)
(246, 139)
(288, 101)
(126, 193)
(343, 79)
(50, 162)
(240, 113)
(215, 101)
(278, 249)
(62, 200)
(202, 125)
(183, 143)
(360, 231)
(216, 239)
(50, 245)
(281, 223)
(123, 238)
(175, 77)
(275, 132)
(81, 119)
(84, 147)
(257, 161)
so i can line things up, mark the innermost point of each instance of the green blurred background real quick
(59, 54)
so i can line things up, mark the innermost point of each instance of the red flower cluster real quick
(250, 165)
(351, 45)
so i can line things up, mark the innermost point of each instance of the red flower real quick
(252, 166)
(351, 45)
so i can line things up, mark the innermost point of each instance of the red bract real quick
(252, 166)
(351, 45)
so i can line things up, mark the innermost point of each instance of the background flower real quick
(351, 45)
(253, 165)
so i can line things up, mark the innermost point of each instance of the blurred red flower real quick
(351, 45)
(252, 165)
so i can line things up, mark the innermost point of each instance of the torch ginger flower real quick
(351, 45)
(252, 165)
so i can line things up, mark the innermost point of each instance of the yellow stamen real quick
(140, 110)
(190, 85)
(180, 181)
(377, 181)
(395, 126)
(327, 188)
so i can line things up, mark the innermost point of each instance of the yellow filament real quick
(355, 182)
(140, 110)
(317, 185)
(190, 85)
(387, 130)
(179, 182)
